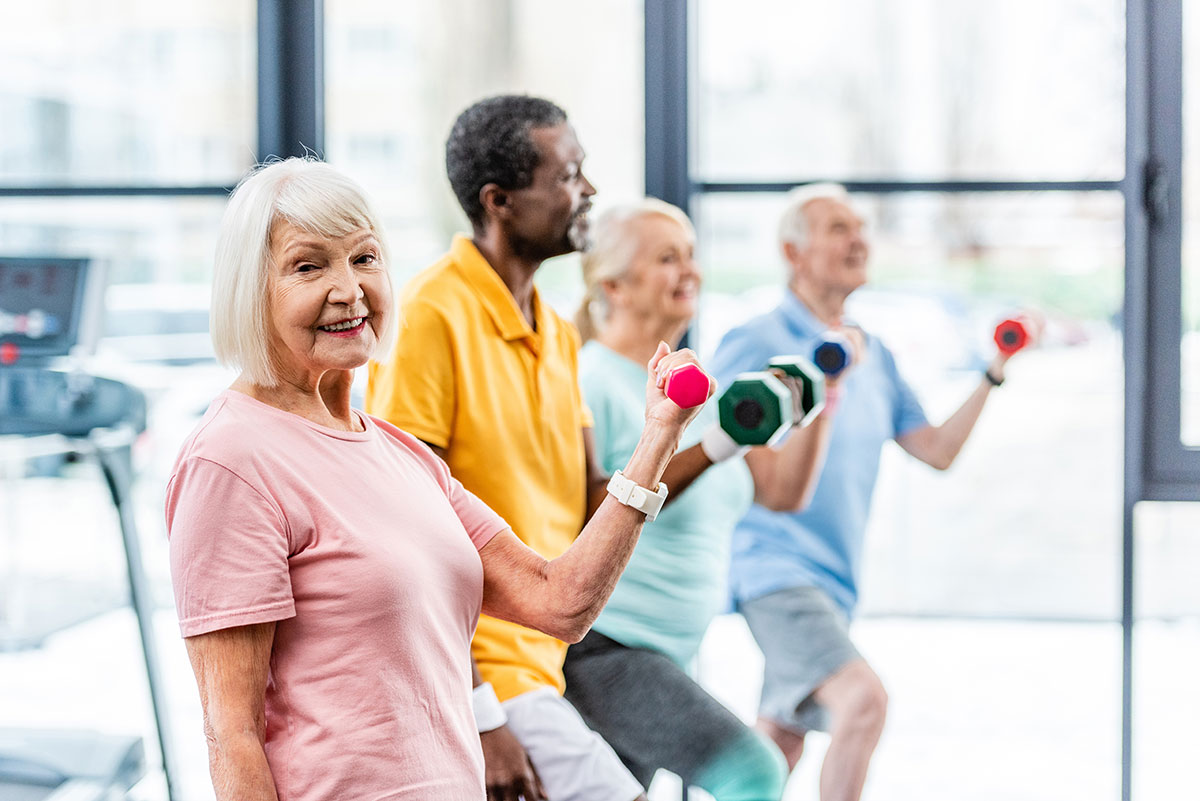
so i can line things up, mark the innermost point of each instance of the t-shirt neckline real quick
(352, 436)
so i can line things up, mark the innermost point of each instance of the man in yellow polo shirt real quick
(485, 372)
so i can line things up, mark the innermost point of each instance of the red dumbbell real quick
(1013, 334)
(687, 386)
(9, 353)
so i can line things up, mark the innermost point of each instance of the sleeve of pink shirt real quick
(229, 551)
(476, 516)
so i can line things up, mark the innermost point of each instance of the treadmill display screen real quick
(41, 301)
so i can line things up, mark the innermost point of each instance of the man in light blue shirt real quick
(794, 575)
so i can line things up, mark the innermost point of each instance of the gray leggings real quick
(655, 716)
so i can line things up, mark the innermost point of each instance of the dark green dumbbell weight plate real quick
(756, 409)
(812, 386)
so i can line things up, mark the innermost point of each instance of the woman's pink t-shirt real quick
(364, 550)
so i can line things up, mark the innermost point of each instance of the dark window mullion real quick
(1170, 462)
(291, 78)
(666, 76)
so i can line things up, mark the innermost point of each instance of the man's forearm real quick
(785, 478)
(947, 440)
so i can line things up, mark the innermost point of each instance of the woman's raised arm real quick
(563, 596)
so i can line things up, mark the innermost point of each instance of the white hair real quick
(610, 251)
(306, 193)
(793, 223)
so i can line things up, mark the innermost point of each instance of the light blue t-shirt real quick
(676, 580)
(822, 545)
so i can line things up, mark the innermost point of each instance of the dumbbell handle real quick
(687, 386)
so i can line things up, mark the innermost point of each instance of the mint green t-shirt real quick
(676, 581)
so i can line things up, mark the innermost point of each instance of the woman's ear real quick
(612, 290)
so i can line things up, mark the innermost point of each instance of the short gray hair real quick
(609, 252)
(306, 193)
(793, 224)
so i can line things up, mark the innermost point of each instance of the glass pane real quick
(926, 89)
(398, 73)
(140, 93)
(1020, 503)
(1167, 653)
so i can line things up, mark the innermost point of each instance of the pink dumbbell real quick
(687, 386)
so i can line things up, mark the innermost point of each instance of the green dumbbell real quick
(759, 407)
(808, 384)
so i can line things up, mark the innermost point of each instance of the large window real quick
(985, 146)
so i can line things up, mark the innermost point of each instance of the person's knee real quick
(753, 769)
(868, 707)
(857, 700)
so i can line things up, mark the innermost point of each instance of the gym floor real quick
(989, 711)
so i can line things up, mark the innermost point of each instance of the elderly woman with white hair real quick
(328, 570)
(628, 676)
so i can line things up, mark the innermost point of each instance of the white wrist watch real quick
(635, 496)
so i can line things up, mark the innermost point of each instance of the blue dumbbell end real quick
(832, 356)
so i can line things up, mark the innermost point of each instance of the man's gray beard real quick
(579, 237)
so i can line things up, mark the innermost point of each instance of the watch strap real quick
(635, 496)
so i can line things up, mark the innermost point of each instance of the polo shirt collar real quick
(501, 306)
(799, 317)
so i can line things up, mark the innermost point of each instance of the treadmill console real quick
(49, 308)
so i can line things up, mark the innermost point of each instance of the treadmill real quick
(50, 310)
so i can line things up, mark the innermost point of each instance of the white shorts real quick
(572, 761)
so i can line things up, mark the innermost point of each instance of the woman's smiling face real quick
(662, 282)
(328, 301)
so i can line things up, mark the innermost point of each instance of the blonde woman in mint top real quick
(628, 676)
(328, 570)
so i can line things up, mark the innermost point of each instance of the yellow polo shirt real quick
(470, 375)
